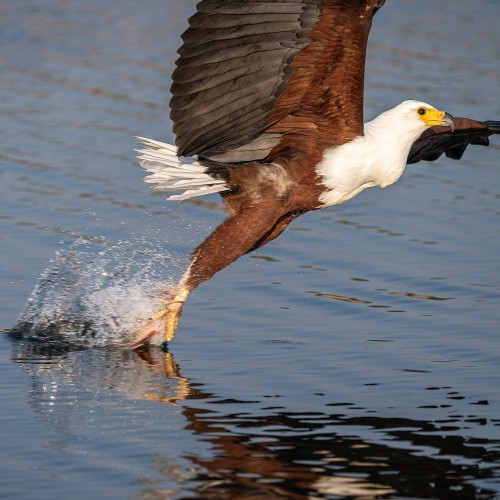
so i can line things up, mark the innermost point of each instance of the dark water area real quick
(357, 356)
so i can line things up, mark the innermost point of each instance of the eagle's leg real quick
(278, 228)
(244, 231)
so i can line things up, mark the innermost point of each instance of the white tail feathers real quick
(170, 172)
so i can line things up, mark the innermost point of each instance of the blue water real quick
(355, 356)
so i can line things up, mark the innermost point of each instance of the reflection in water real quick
(333, 296)
(262, 451)
(369, 303)
(420, 296)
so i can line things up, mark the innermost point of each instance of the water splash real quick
(98, 293)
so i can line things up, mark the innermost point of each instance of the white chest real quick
(357, 165)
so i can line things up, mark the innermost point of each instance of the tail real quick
(170, 172)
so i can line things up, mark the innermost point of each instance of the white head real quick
(378, 157)
(408, 120)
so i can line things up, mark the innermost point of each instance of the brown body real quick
(262, 89)
(321, 107)
(262, 204)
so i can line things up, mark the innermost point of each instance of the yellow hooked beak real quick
(432, 117)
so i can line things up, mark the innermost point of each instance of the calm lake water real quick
(356, 356)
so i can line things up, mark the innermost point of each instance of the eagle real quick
(267, 109)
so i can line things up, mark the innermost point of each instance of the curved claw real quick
(162, 326)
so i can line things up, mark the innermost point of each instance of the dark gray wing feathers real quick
(233, 65)
(453, 143)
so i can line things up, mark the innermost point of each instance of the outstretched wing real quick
(452, 142)
(258, 76)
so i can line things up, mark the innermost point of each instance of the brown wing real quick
(281, 75)
(452, 142)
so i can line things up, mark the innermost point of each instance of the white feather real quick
(190, 193)
(171, 172)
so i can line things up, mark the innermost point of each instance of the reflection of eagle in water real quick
(268, 98)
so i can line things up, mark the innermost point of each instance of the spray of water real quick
(98, 293)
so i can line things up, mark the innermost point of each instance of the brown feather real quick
(236, 236)
(323, 102)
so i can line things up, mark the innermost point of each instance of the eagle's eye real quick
(421, 111)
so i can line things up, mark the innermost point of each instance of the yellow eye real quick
(421, 111)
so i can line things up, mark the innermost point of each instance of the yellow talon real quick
(162, 325)
(160, 314)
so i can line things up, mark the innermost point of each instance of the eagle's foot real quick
(161, 327)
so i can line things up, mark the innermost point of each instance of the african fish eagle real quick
(267, 107)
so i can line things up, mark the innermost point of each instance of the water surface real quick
(355, 356)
